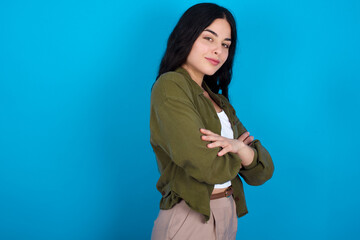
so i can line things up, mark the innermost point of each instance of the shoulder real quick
(171, 76)
(171, 84)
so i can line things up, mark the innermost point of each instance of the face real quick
(210, 50)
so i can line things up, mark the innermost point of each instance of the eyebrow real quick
(214, 33)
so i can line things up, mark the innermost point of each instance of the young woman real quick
(200, 145)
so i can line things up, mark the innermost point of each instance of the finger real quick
(216, 144)
(207, 132)
(211, 138)
(224, 151)
(248, 140)
(243, 136)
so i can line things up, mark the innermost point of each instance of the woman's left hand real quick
(227, 144)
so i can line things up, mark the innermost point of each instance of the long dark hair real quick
(191, 24)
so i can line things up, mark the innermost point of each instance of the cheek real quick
(225, 55)
(199, 48)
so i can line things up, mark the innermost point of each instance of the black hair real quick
(191, 24)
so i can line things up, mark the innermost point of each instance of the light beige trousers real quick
(181, 222)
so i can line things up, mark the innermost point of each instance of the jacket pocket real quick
(181, 213)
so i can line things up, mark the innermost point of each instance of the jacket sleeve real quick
(261, 168)
(175, 127)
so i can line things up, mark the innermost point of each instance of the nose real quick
(217, 50)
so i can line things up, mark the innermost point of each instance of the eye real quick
(208, 38)
(226, 45)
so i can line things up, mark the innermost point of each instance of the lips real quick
(213, 61)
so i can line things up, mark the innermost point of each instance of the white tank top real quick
(226, 131)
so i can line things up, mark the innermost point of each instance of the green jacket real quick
(188, 168)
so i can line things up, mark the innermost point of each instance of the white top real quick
(226, 131)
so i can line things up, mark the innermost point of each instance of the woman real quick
(200, 145)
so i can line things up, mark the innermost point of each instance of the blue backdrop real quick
(75, 79)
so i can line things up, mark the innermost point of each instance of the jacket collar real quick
(198, 90)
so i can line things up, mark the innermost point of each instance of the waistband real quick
(227, 193)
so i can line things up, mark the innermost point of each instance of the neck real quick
(196, 76)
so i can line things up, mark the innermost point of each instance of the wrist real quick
(241, 147)
(253, 162)
(245, 153)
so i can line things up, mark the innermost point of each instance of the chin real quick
(211, 72)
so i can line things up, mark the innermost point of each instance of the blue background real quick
(75, 79)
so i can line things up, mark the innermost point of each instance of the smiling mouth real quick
(213, 61)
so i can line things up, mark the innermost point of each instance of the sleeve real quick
(261, 168)
(175, 127)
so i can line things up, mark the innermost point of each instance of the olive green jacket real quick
(188, 168)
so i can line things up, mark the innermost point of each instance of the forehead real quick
(221, 27)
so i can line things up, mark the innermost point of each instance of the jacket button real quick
(163, 193)
(237, 199)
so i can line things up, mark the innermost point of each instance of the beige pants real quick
(181, 222)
